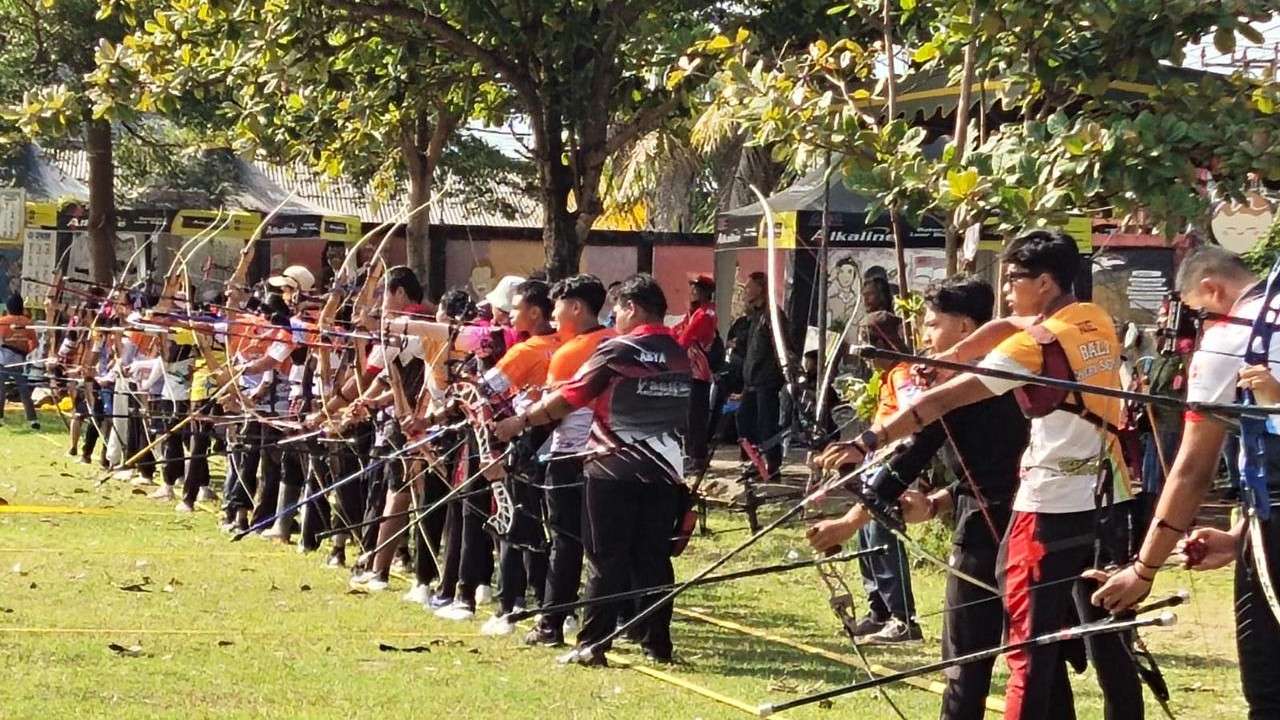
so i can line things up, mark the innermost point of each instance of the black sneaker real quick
(895, 632)
(868, 625)
(546, 637)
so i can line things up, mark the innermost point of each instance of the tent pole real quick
(824, 282)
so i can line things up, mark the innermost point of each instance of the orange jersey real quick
(573, 354)
(524, 365)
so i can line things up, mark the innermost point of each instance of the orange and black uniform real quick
(564, 476)
(638, 388)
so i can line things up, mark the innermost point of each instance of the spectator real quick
(696, 333)
(760, 412)
(16, 342)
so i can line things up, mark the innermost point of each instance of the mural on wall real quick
(1131, 282)
(1238, 226)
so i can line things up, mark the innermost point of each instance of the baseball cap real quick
(294, 276)
(703, 281)
(503, 296)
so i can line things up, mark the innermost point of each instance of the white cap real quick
(294, 276)
(503, 296)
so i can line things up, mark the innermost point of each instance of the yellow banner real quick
(240, 226)
(42, 215)
(784, 225)
(341, 228)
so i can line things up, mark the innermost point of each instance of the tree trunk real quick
(422, 143)
(891, 91)
(102, 203)
(962, 140)
(561, 241)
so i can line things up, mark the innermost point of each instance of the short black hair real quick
(759, 277)
(584, 287)
(1046, 251)
(962, 295)
(1211, 260)
(645, 293)
(457, 304)
(538, 294)
(275, 308)
(402, 277)
(14, 305)
(884, 330)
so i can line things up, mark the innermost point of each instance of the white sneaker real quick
(570, 625)
(206, 495)
(456, 611)
(484, 594)
(183, 508)
(273, 533)
(368, 581)
(133, 479)
(497, 625)
(417, 594)
(164, 492)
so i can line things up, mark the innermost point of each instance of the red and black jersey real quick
(638, 388)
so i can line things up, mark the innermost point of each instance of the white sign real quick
(39, 255)
(13, 214)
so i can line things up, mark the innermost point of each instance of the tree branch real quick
(450, 37)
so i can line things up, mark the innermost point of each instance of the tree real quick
(1081, 138)
(300, 82)
(48, 48)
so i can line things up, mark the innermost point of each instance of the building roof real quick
(60, 174)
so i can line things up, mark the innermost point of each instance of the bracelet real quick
(1139, 561)
(1148, 580)
(1161, 523)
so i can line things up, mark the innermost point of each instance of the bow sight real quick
(1176, 324)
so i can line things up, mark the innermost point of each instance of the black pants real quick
(695, 435)
(428, 530)
(265, 442)
(977, 620)
(564, 520)
(522, 552)
(628, 544)
(1257, 632)
(95, 412)
(201, 434)
(174, 445)
(242, 470)
(759, 419)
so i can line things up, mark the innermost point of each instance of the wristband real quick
(1161, 523)
(1149, 566)
(1143, 578)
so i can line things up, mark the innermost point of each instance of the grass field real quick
(205, 628)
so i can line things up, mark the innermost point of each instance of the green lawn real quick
(256, 630)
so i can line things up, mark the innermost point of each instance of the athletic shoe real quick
(546, 637)
(895, 632)
(581, 656)
(436, 602)
(519, 605)
(456, 611)
(337, 558)
(497, 625)
(72, 453)
(570, 625)
(206, 495)
(34, 425)
(183, 507)
(419, 594)
(137, 480)
(164, 492)
(484, 594)
(868, 625)
(367, 581)
(658, 658)
(85, 460)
